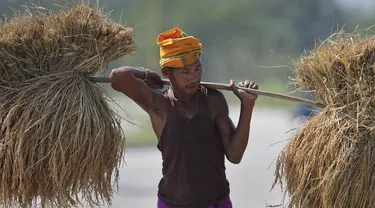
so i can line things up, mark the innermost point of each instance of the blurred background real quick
(256, 40)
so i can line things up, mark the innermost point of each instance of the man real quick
(192, 123)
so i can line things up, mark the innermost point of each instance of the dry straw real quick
(329, 162)
(61, 144)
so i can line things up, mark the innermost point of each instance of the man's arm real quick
(234, 139)
(130, 81)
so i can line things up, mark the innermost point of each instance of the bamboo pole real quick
(219, 86)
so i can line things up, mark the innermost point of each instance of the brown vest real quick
(193, 158)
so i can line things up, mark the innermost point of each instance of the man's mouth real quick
(193, 85)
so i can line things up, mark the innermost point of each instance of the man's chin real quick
(191, 90)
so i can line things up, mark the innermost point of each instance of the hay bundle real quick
(60, 140)
(329, 163)
(80, 39)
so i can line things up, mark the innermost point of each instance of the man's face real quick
(186, 79)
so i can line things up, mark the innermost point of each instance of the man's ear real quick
(165, 72)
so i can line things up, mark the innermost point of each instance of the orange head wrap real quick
(177, 49)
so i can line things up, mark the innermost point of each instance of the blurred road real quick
(250, 181)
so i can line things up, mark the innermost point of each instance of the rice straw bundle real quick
(329, 163)
(80, 39)
(59, 140)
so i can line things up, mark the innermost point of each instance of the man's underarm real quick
(226, 130)
(158, 104)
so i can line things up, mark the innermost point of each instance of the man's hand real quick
(152, 79)
(246, 98)
(119, 78)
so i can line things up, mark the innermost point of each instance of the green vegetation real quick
(241, 40)
(244, 39)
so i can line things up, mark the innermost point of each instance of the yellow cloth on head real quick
(177, 49)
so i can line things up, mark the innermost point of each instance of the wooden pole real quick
(219, 86)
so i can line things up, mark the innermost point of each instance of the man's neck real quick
(184, 98)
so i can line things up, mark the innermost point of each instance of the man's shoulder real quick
(217, 103)
(215, 96)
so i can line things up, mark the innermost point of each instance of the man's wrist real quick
(142, 73)
(248, 106)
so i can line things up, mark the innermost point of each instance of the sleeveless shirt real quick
(193, 158)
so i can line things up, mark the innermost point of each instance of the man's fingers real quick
(161, 83)
(247, 83)
(252, 85)
(231, 84)
(233, 87)
(241, 84)
(155, 86)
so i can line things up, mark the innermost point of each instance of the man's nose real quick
(196, 76)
